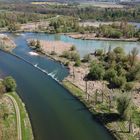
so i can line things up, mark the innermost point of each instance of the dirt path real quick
(17, 116)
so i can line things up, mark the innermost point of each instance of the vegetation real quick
(10, 84)
(25, 122)
(128, 13)
(8, 115)
(119, 69)
(118, 113)
(63, 24)
(12, 20)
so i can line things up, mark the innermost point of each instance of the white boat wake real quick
(52, 74)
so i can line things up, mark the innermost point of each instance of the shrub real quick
(10, 84)
(118, 82)
(129, 86)
(97, 71)
(99, 52)
(110, 74)
(123, 103)
(77, 63)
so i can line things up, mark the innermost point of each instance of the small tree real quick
(78, 62)
(97, 71)
(123, 104)
(10, 84)
(124, 107)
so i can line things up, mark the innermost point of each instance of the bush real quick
(10, 84)
(99, 52)
(97, 71)
(123, 104)
(119, 50)
(129, 86)
(77, 63)
(118, 82)
(110, 74)
(134, 73)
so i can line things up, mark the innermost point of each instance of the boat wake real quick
(52, 74)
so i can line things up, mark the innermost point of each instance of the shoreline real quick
(81, 36)
(88, 37)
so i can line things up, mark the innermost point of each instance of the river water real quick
(55, 114)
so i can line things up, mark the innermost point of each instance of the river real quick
(83, 46)
(55, 114)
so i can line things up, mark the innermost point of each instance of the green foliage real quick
(77, 63)
(118, 82)
(73, 56)
(123, 104)
(133, 73)
(10, 84)
(99, 52)
(129, 86)
(118, 50)
(119, 71)
(64, 24)
(97, 71)
(110, 74)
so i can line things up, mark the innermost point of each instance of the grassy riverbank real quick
(108, 117)
(26, 128)
(9, 121)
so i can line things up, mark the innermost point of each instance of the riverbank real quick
(88, 91)
(101, 110)
(26, 128)
(16, 124)
(93, 37)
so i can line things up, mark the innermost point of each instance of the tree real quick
(132, 56)
(124, 107)
(10, 84)
(123, 104)
(97, 71)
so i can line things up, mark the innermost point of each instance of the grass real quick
(25, 122)
(8, 121)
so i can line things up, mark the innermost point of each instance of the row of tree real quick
(84, 13)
